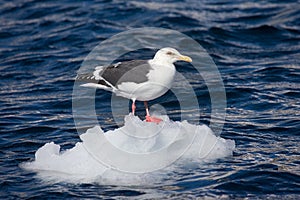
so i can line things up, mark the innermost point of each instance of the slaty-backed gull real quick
(141, 80)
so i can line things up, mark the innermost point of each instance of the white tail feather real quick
(98, 86)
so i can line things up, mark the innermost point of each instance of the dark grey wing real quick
(129, 71)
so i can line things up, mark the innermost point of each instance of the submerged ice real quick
(124, 155)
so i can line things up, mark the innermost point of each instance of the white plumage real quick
(141, 80)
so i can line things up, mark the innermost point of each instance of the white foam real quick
(100, 156)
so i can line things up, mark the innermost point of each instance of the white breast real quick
(160, 81)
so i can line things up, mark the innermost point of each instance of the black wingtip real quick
(85, 77)
(90, 78)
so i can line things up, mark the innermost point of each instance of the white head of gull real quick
(169, 55)
(141, 80)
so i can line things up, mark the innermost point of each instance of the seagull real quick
(137, 80)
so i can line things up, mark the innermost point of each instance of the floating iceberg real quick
(128, 153)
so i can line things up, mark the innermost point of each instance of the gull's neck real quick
(158, 61)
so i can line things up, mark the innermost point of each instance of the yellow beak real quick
(185, 58)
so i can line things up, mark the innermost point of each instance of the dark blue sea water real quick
(255, 44)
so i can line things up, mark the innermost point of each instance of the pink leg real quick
(148, 117)
(133, 107)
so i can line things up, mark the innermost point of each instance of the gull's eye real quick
(170, 53)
